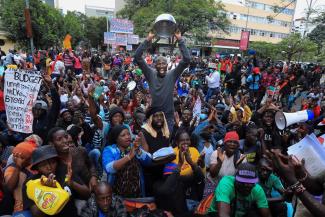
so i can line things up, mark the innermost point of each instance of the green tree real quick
(318, 36)
(194, 18)
(47, 23)
(74, 23)
(264, 49)
(295, 47)
(94, 30)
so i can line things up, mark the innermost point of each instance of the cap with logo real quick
(246, 173)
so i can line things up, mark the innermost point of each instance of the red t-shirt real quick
(2, 102)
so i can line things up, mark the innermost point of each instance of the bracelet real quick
(304, 178)
(292, 187)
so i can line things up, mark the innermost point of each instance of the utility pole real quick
(309, 11)
(247, 16)
(29, 31)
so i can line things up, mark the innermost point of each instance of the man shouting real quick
(161, 82)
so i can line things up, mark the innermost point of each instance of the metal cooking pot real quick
(165, 25)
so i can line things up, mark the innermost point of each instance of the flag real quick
(67, 42)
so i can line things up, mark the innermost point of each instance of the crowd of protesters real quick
(163, 135)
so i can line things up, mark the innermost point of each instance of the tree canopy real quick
(49, 25)
(292, 48)
(194, 18)
(46, 22)
(296, 47)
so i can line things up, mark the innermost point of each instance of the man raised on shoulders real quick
(161, 82)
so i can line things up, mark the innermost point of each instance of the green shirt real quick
(273, 182)
(225, 192)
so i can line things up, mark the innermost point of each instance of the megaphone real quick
(283, 119)
(165, 25)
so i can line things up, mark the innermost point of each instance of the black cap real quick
(43, 153)
(246, 173)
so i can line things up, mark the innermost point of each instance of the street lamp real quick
(106, 21)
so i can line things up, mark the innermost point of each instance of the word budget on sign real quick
(21, 90)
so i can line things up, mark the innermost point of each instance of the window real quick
(253, 32)
(271, 35)
(234, 17)
(262, 33)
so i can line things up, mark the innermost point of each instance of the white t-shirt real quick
(227, 167)
(59, 66)
(213, 80)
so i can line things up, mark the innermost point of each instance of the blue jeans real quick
(211, 92)
(94, 156)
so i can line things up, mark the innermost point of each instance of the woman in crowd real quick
(183, 182)
(122, 163)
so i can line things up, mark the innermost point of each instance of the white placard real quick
(313, 152)
(20, 93)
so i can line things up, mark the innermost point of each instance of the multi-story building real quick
(300, 26)
(5, 43)
(98, 11)
(259, 18)
(96, 8)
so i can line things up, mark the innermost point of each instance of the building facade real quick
(300, 26)
(259, 18)
(98, 11)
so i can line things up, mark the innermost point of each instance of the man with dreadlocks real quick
(161, 82)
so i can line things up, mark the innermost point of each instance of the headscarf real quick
(148, 127)
(114, 133)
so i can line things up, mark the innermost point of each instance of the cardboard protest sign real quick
(109, 37)
(310, 149)
(133, 39)
(121, 26)
(122, 39)
(20, 92)
(129, 47)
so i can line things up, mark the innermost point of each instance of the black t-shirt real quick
(154, 173)
(272, 139)
(253, 153)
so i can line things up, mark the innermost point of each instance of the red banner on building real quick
(244, 40)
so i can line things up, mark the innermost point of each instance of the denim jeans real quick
(95, 156)
(211, 92)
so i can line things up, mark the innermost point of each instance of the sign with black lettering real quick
(20, 93)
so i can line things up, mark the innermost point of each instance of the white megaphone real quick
(283, 119)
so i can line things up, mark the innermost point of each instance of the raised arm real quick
(186, 58)
(138, 56)
(93, 111)
(54, 111)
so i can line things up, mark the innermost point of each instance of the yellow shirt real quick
(247, 114)
(48, 65)
(186, 168)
